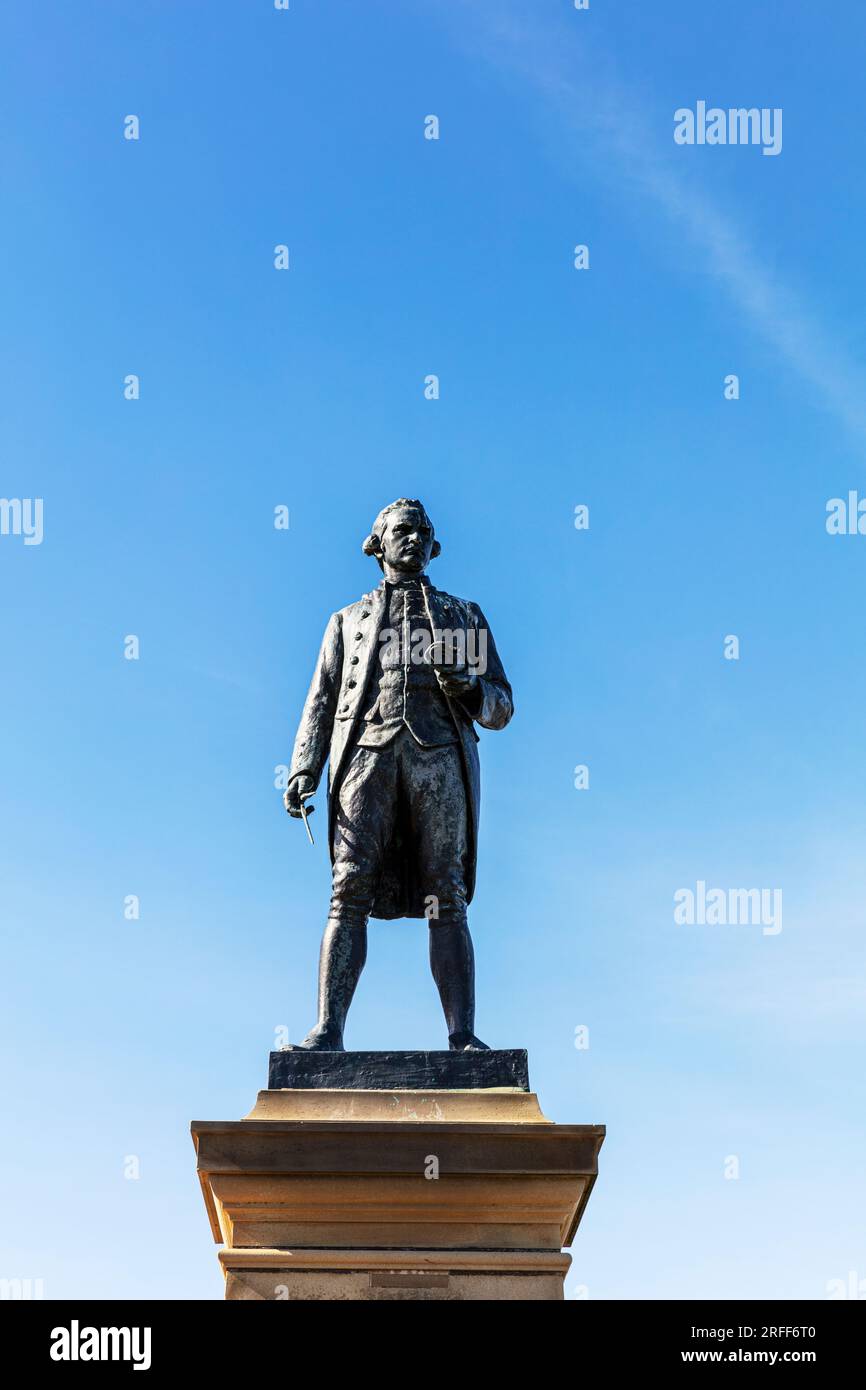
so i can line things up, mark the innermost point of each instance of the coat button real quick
(358, 636)
(352, 683)
(365, 614)
(354, 661)
(345, 707)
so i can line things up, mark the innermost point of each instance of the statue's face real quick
(407, 541)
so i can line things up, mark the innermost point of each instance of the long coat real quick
(332, 711)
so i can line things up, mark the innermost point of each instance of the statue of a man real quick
(401, 676)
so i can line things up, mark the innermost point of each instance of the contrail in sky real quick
(581, 88)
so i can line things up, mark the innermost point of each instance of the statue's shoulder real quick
(462, 608)
(362, 604)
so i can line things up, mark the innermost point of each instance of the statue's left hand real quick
(458, 682)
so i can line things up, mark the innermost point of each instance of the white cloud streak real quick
(591, 104)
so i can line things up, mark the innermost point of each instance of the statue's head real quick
(402, 538)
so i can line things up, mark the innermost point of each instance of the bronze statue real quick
(401, 676)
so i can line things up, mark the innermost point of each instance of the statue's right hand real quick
(292, 795)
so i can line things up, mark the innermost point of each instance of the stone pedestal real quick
(398, 1194)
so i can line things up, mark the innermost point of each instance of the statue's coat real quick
(329, 724)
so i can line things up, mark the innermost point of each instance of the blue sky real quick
(305, 388)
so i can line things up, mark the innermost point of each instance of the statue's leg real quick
(365, 808)
(341, 960)
(435, 790)
(452, 961)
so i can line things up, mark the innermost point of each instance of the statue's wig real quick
(373, 544)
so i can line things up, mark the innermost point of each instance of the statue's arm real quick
(313, 739)
(491, 704)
